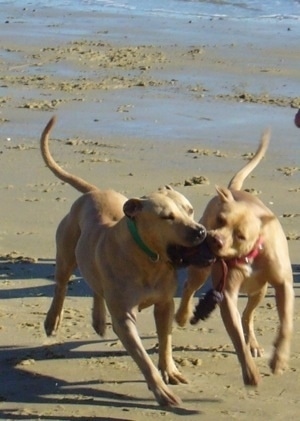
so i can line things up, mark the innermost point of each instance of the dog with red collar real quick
(251, 252)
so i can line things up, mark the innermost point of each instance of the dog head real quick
(235, 221)
(164, 219)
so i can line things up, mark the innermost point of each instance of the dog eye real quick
(221, 221)
(240, 236)
(190, 211)
(169, 217)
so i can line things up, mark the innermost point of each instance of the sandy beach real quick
(139, 105)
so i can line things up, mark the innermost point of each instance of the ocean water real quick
(180, 9)
(168, 112)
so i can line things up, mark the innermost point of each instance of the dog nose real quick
(201, 233)
(216, 242)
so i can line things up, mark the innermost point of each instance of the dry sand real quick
(139, 105)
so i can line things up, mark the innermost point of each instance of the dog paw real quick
(52, 323)
(181, 318)
(176, 378)
(164, 396)
(49, 329)
(251, 377)
(277, 364)
(256, 351)
(170, 373)
(99, 327)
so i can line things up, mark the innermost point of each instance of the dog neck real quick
(249, 258)
(239, 261)
(137, 238)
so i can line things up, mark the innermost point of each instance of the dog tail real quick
(76, 182)
(237, 180)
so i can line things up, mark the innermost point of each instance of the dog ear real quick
(164, 188)
(266, 218)
(224, 194)
(132, 207)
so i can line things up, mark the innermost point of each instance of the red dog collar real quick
(243, 260)
(249, 258)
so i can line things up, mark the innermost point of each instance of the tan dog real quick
(250, 244)
(120, 247)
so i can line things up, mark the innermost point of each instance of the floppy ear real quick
(224, 194)
(265, 219)
(165, 188)
(132, 207)
(264, 214)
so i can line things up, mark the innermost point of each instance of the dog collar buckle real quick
(250, 257)
(154, 258)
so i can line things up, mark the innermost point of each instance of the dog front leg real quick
(284, 295)
(232, 320)
(163, 314)
(195, 280)
(125, 328)
(248, 321)
(233, 325)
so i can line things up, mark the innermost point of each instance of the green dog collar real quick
(135, 235)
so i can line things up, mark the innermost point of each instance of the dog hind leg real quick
(66, 239)
(284, 295)
(99, 314)
(55, 313)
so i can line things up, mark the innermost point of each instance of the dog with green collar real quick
(127, 250)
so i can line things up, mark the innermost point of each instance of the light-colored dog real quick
(251, 247)
(121, 247)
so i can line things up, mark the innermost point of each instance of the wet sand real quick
(139, 105)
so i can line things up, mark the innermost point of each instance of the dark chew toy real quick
(206, 305)
(212, 298)
(199, 255)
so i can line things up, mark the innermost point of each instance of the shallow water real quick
(171, 113)
(180, 9)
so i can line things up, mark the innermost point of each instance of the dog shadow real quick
(296, 275)
(23, 270)
(26, 270)
(23, 386)
(43, 269)
(28, 387)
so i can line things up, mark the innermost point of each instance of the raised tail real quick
(238, 179)
(76, 182)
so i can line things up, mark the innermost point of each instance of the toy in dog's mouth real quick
(200, 255)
